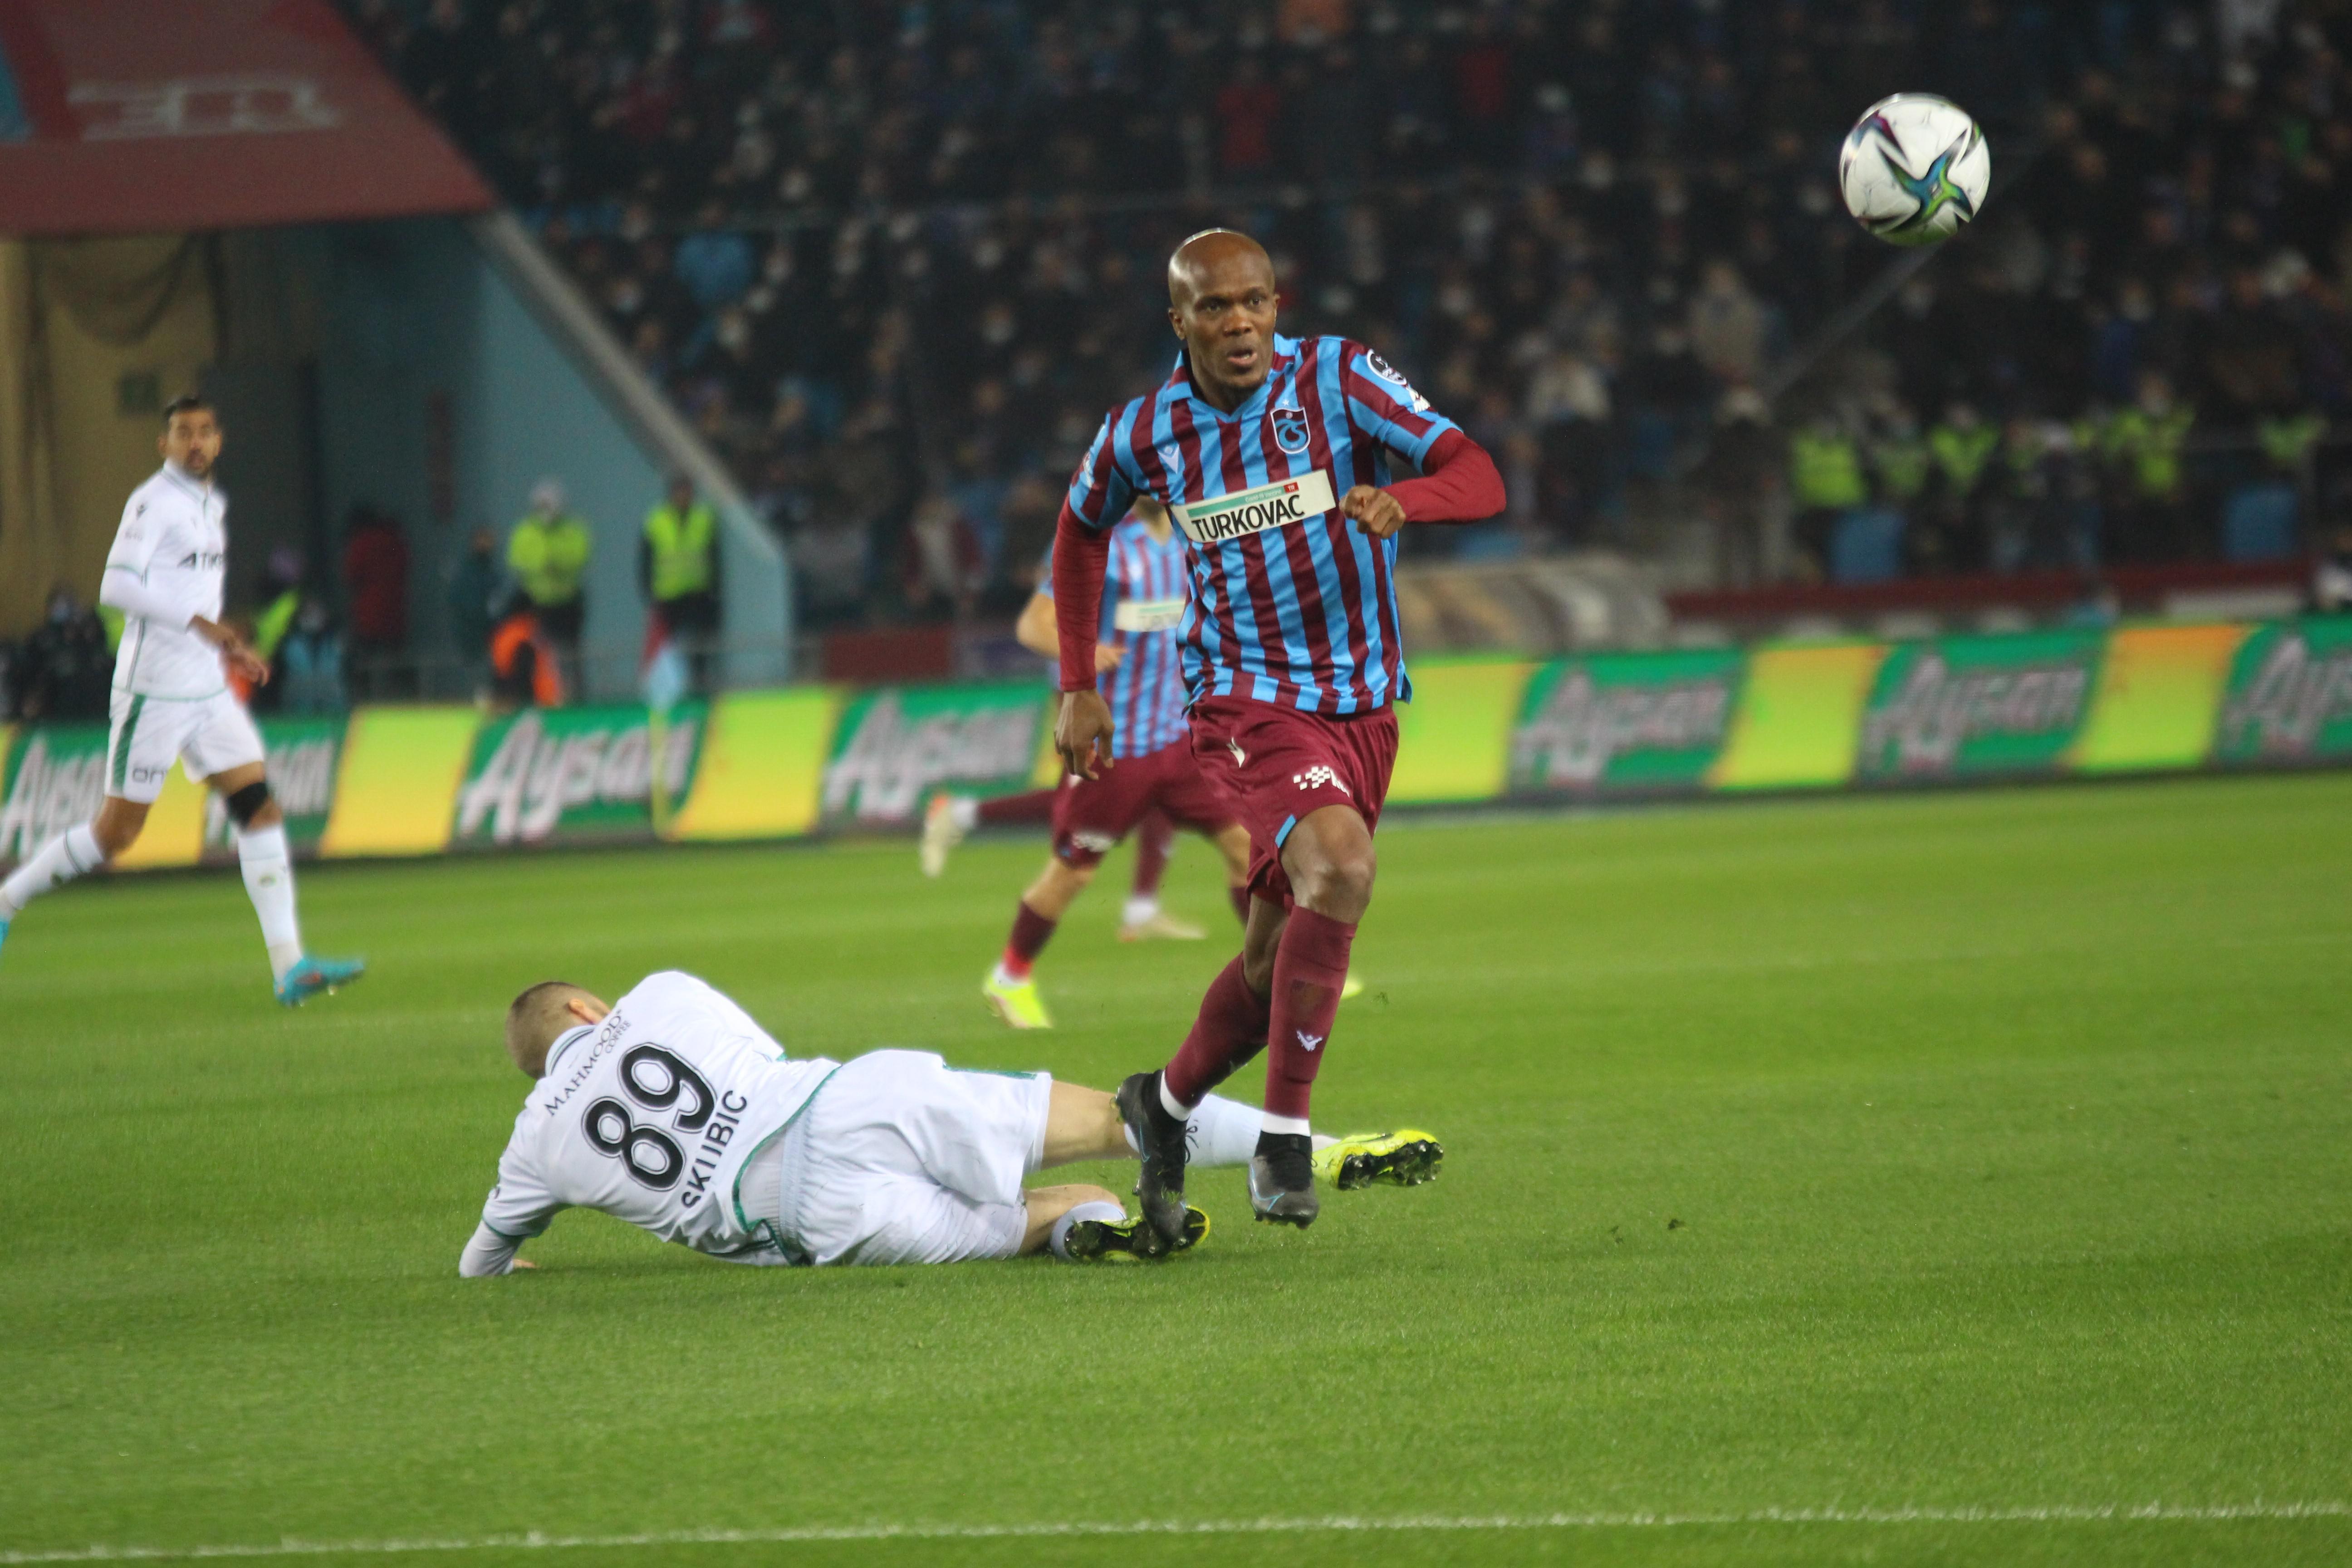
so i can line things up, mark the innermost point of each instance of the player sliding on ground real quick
(1273, 455)
(171, 702)
(1156, 769)
(674, 1110)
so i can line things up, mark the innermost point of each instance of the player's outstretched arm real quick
(489, 1253)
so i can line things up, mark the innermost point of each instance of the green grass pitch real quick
(1987, 1156)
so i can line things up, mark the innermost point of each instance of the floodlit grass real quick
(1968, 1151)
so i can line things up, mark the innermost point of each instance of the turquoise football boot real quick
(312, 976)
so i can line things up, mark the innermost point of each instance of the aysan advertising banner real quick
(1963, 706)
(781, 763)
(1636, 723)
(895, 747)
(55, 778)
(2290, 695)
(574, 774)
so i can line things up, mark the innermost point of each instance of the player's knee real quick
(1335, 879)
(247, 804)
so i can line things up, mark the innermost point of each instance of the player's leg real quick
(1233, 842)
(1329, 859)
(226, 749)
(144, 743)
(1142, 918)
(1010, 987)
(949, 818)
(1084, 1123)
(76, 852)
(1055, 1212)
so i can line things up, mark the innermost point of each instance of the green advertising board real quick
(1631, 723)
(572, 773)
(893, 747)
(56, 779)
(1971, 706)
(2290, 695)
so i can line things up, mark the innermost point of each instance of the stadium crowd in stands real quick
(895, 259)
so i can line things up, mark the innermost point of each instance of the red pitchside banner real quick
(136, 116)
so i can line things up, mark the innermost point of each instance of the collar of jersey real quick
(563, 1042)
(184, 479)
(1286, 354)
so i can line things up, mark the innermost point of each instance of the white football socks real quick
(1093, 1209)
(964, 812)
(71, 854)
(1140, 909)
(1219, 1131)
(269, 883)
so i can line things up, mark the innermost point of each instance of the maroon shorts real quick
(1091, 816)
(1280, 764)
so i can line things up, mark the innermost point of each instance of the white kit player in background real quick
(171, 702)
(674, 1110)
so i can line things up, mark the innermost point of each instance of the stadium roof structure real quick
(138, 116)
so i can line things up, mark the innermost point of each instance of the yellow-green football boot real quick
(1403, 1158)
(1017, 1003)
(1129, 1240)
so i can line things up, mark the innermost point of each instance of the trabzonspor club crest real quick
(1290, 428)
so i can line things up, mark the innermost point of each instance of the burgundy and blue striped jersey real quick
(1145, 586)
(1291, 602)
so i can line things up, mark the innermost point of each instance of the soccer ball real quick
(1913, 169)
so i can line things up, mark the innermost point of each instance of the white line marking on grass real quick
(538, 1540)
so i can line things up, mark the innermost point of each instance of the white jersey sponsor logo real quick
(1148, 615)
(1278, 505)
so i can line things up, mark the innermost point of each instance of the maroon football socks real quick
(1230, 1030)
(1310, 966)
(1031, 932)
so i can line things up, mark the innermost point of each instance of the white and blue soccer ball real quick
(1913, 169)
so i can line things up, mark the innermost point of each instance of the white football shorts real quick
(150, 734)
(901, 1158)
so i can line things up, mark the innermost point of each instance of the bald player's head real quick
(1199, 257)
(539, 1017)
(1221, 302)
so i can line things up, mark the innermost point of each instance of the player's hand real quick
(1379, 514)
(1107, 658)
(522, 1263)
(1082, 734)
(242, 661)
(246, 665)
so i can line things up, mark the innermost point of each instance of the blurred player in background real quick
(171, 703)
(1156, 770)
(674, 1110)
(948, 818)
(1274, 454)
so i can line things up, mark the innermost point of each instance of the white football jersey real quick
(650, 1116)
(174, 540)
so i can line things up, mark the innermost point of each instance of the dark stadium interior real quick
(895, 261)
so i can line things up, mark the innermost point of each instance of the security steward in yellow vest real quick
(677, 566)
(1825, 482)
(548, 554)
